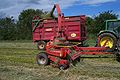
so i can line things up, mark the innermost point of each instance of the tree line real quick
(21, 29)
(94, 25)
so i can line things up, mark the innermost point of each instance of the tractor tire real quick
(42, 59)
(112, 40)
(41, 45)
(117, 53)
(118, 44)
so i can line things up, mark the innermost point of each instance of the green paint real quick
(112, 26)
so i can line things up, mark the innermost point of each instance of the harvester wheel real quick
(63, 66)
(110, 38)
(41, 45)
(78, 59)
(42, 59)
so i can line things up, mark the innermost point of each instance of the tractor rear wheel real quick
(110, 38)
(118, 51)
(118, 44)
(41, 45)
(117, 54)
(42, 59)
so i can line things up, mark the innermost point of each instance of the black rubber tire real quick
(41, 45)
(78, 59)
(118, 44)
(63, 66)
(109, 35)
(118, 51)
(42, 56)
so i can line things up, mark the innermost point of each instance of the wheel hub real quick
(41, 46)
(42, 60)
(109, 42)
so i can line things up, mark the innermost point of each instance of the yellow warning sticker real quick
(73, 35)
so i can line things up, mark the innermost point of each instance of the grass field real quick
(17, 62)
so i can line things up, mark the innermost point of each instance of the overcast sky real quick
(69, 7)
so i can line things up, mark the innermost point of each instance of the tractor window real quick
(113, 25)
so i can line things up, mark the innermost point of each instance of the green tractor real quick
(111, 34)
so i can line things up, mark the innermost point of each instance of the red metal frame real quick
(58, 54)
(47, 28)
(57, 51)
(61, 52)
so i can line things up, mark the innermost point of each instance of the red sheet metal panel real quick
(74, 29)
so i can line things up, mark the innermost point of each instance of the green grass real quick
(91, 39)
(17, 62)
(18, 44)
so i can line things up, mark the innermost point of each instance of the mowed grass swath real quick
(54, 36)
(17, 62)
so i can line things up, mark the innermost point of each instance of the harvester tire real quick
(42, 59)
(112, 40)
(63, 66)
(41, 45)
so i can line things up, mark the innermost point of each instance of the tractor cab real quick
(113, 25)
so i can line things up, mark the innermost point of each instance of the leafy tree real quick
(99, 21)
(7, 29)
(25, 22)
(22, 29)
(90, 24)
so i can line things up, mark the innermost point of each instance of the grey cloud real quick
(6, 4)
(14, 7)
(29, 1)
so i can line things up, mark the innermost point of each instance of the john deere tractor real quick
(111, 35)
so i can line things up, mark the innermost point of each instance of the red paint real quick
(62, 55)
(71, 25)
